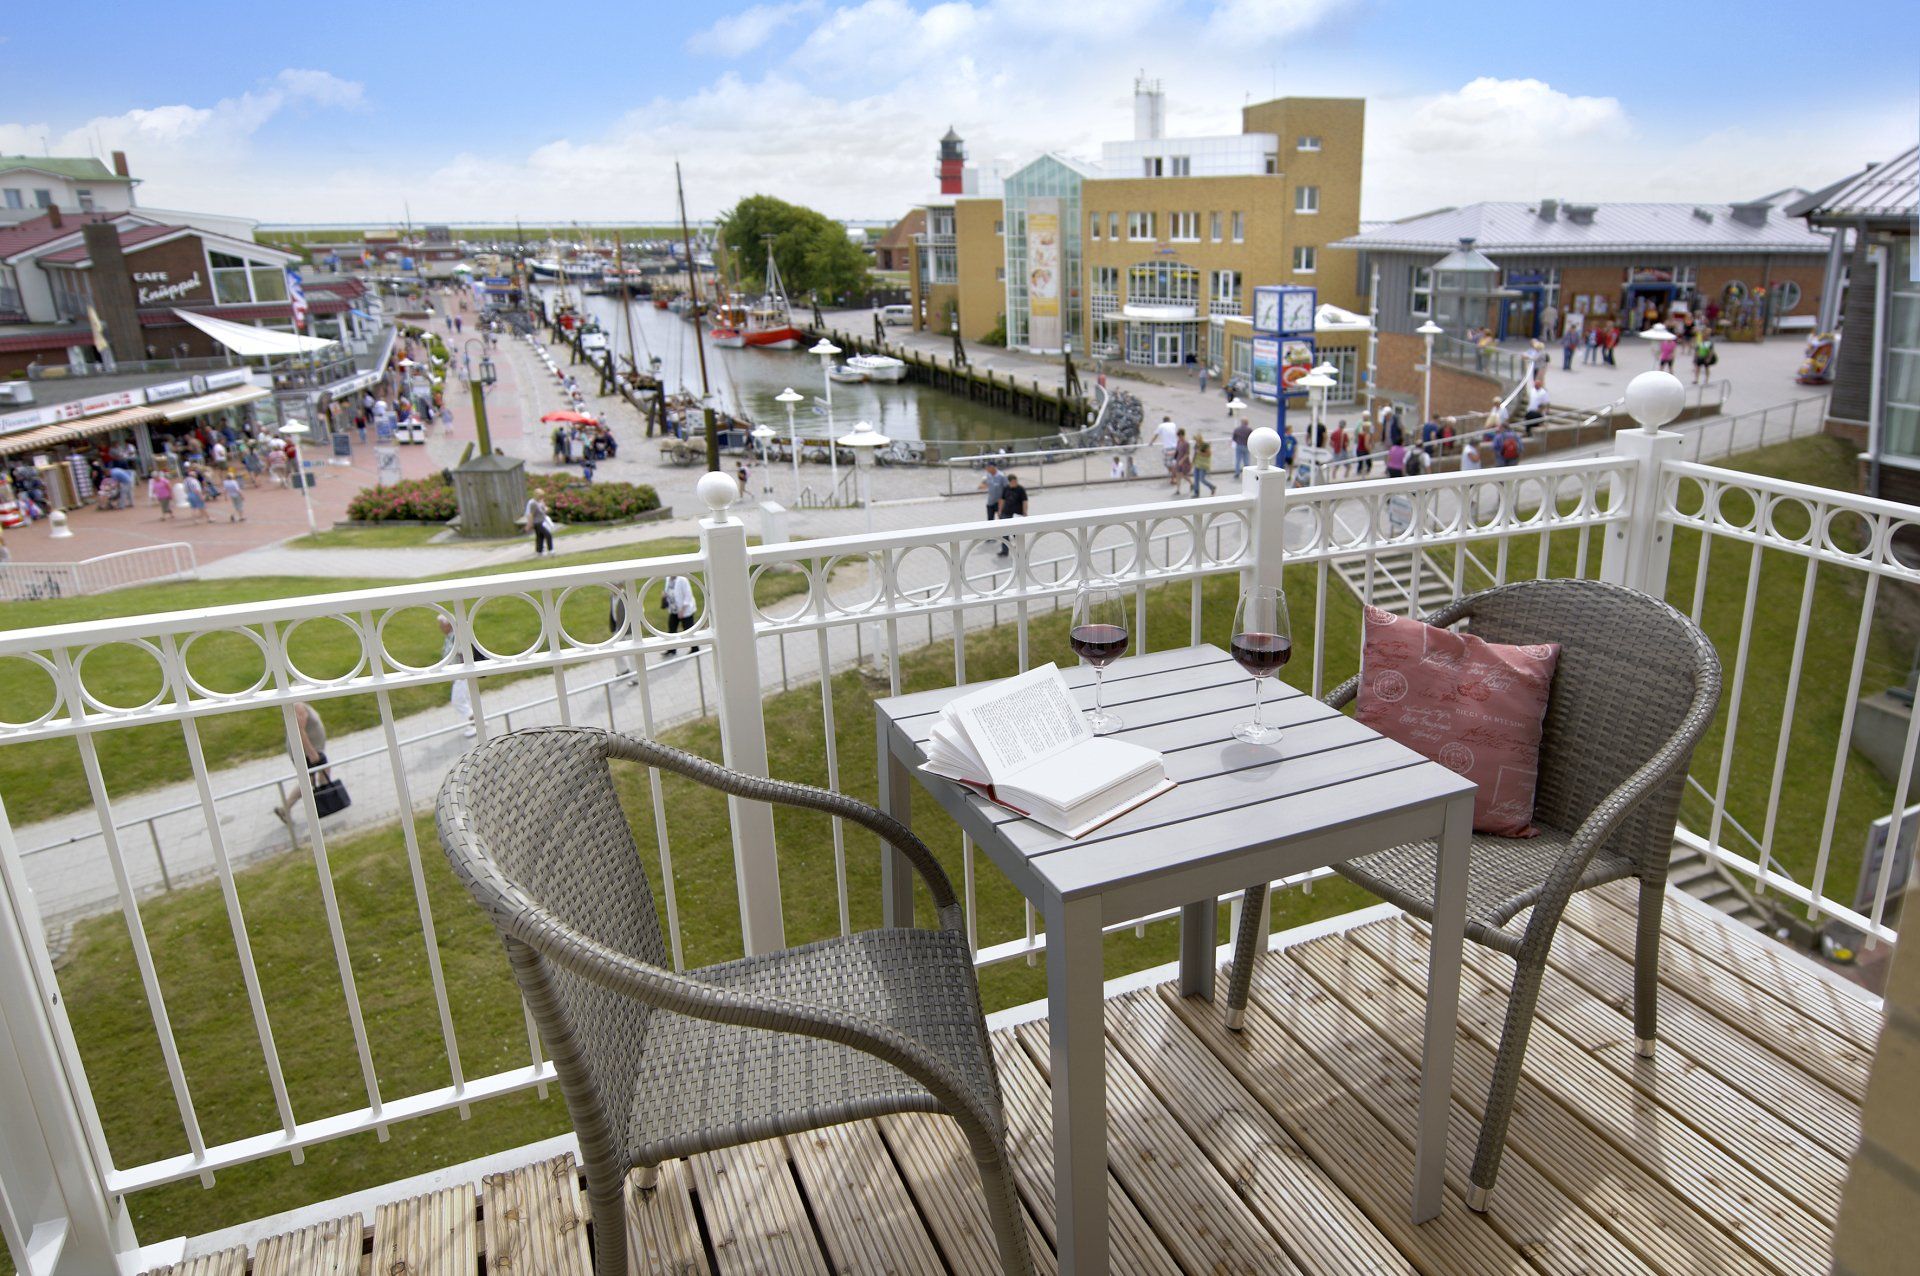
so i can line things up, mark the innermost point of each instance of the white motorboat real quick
(845, 373)
(878, 367)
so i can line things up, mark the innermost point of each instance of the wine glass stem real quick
(1099, 691)
(1259, 684)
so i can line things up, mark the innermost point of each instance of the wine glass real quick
(1262, 642)
(1099, 637)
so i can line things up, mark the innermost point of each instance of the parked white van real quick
(897, 316)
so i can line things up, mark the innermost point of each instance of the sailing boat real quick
(770, 319)
(729, 316)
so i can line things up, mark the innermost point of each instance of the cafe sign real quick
(157, 286)
(99, 403)
(167, 391)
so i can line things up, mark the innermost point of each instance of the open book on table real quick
(1023, 743)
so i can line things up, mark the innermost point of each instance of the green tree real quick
(812, 250)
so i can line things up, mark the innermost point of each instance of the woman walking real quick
(1363, 450)
(196, 498)
(1704, 355)
(540, 525)
(160, 490)
(1202, 464)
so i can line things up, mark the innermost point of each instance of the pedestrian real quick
(309, 754)
(1202, 466)
(1340, 440)
(277, 466)
(1241, 456)
(456, 325)
(1568, 340)
(1506, 447)
(1393, 432)
(196, 498)
(160, 491)
(1416, 461)
(740, 475)
(1013, 504)
(460, 690)
(237, 511)
(1396, 460)
(676, 596)
(617, 631)
(1704, 355)
(1289, 448)
(1470, 455)
(1537, 401)
(1204, 372)
(1363, 450)
(1609, 338)
(1668, 348)
(995, 486)
(1166, 436)
(1590, 345)
(540, 524)
(1182, 458)
(1429, 436)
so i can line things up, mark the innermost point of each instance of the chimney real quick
(1549, 209)
(120, 164)
(1705, 215)
(1580, 214)
(53, 216)
(1750, 214)
(112, 288)
(1149, 109)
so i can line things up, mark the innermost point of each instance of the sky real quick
(490, 111)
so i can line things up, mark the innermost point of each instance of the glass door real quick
(1166, 347)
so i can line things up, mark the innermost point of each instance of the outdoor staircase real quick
(1690, 871)
(1393, 581)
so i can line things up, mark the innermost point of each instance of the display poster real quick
(386, 467)
(1266, 365)
(1044, 258)
(1296, 361)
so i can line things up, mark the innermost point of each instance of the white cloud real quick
(1258, 21)
(1510, 113)
(743, 32)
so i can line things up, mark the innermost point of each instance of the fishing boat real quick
(878, 367)
(770, 319)
(544, 268)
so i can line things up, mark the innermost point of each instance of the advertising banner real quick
(1266, 365)
(1044, 264)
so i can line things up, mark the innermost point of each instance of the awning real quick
(1163, 313)
(46, 436)
(200, 405)
(1331, 318)
(250, 342)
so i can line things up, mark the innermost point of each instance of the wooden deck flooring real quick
(1285, 1149)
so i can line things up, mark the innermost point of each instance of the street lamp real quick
(477, 388)
(294, 430)
(865, 442)
(790, 397)
(761, 435)
(826, 350)
(1316, 383)
(1428, 330)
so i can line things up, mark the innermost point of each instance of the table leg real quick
(896, 799)
(1198, 923)
(1443, 1007)
(1077, 1028)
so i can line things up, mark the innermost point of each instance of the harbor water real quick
(746, 381)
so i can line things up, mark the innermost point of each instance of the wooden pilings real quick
(1053, 406)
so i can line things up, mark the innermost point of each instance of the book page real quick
(1020, 721)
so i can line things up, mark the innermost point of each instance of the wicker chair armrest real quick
(897, 835)
(683, 995)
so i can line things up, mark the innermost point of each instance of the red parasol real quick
(577, 418)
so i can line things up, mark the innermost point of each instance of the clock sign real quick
(1266, 310)
(1296, 311)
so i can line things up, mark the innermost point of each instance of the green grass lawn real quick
(43, 778)
(410, 536)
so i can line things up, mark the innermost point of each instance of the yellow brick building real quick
(1160, 244)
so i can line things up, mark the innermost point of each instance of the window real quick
(1420, 287)
(1180, 166)
(1139, 225)
(999, 227)
(1306, 199)
(1093, 224)
(43, 199)
(1213, 227)
(1163, 283)
(1113, 225)
(1307, 144)
(1239, 228)
(1303, 259)
(1106, 280)
(1000, 273)
(1226, 293)
(1272, 164)
(15, 199)
(238, 279)
(1153, 166)
(72, 293)
(1900, 419)
(1184, 227)
(86, 200)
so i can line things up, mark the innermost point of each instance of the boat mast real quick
(625, 294)
(693, 308)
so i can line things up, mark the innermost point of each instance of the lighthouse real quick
(953, 160)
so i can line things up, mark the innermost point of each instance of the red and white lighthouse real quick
(953, 162)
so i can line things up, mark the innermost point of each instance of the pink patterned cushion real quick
(1471, 705)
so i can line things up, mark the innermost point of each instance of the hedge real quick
(431, 500)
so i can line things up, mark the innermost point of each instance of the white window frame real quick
(1213, 227)
(1307, 254)
(1229, 300)
(1113, 227)
(16, 198)
(1140, 227)
(1152, 166)
(1306, 200)
(1183, 227)
(1180, 166)
(1093, 225)
(1309, 143)
(1239, 228)
(1416, 290)
(42, 197)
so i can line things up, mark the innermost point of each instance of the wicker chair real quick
(656, 1065)
(1636, 685)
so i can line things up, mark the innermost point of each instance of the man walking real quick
(1166, 437)
(1241, 457)
(540, 525)
(1013, 504)
(995, 486)
(677, 598)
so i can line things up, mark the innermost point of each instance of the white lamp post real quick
(826, 350)
(790, 396)
(1316, 383)
(865, 441)
(294, 430)
(1658, 333)
(762, 434)
(1236, 404)
(1428, 330)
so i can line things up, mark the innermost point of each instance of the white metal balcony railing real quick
(862, 597)
(143, 566)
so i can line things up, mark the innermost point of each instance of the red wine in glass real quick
(1262, 655)
(1099, 636)
(1098, 645)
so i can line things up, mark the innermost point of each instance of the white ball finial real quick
(1655, 398)
(1263, 445)
(718, 492)
(57, 526)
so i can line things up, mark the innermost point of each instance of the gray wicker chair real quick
(1637, 684)
(656, 1065)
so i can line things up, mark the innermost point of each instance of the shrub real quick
(430, 500)
(427, 500)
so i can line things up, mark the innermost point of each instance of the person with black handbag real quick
(329, 794)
